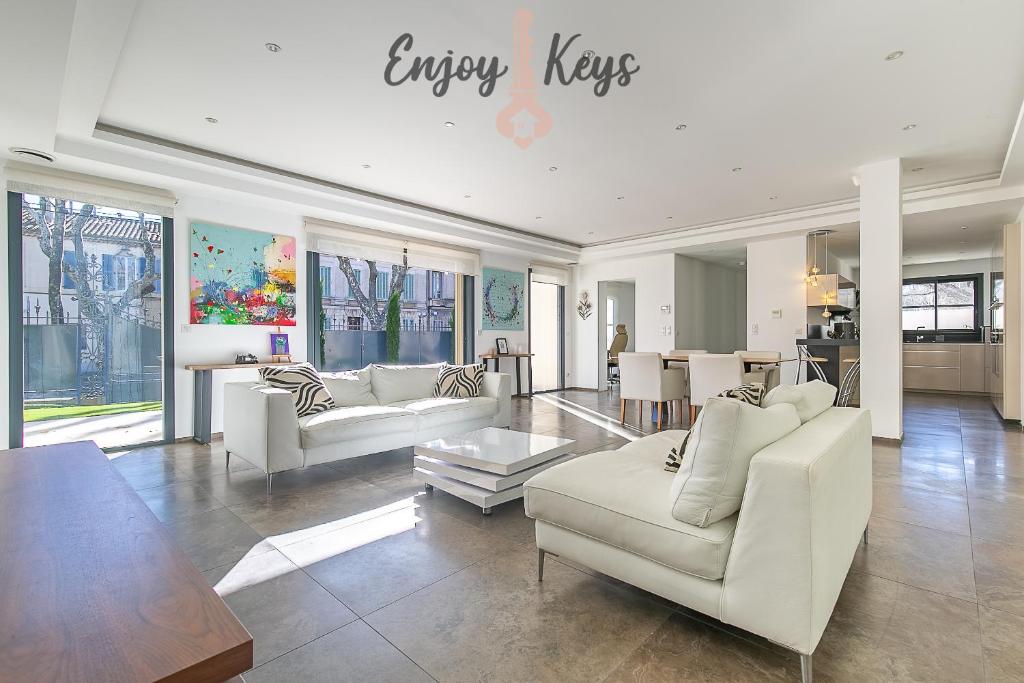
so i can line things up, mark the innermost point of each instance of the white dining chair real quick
(642, 377)
(710, 375)
(685, 365)
(768, 375)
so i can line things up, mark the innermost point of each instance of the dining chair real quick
(710, 375)
(642, 378)
(768, 375)
(685, 365)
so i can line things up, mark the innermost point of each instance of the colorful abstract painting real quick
(504, 298)
(241, 277)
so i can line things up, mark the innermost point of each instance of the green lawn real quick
(61, 412)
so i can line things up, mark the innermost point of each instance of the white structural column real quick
(881, 284)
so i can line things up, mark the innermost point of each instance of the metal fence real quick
(81, 362)
(351, 349)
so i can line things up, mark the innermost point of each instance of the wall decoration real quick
(241, 277)
(279, 346)
(584, 307)
(504, 299)
(502, 344)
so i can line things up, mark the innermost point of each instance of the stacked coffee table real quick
(487, 466)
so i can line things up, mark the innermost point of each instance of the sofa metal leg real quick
(428, 488)
(270, 481)
(540, 564)
(227, 460)
(486, 511)
(806, 670)
(865, 535)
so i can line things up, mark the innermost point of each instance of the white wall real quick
(965, 267)
(220, 343)
(624, 294)
(775, 283)
(710, 306)
(653, 277)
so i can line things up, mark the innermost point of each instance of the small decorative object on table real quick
(502, 344)
(246, 359)
(279, 348)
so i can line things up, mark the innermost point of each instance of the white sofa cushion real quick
(434, 412)
(392, 383)
(810, 398)
(351, 388)
(709, 485)
(354, 422)
(631, 514)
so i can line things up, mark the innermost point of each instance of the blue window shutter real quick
(156, 269)
(70, 260)
(407, 290)
(108, 272)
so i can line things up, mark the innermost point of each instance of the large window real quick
(947, 303)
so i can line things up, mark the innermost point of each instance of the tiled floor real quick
(349, 572)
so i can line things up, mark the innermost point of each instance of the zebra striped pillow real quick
(459, 381)
(304, 382)
(747, 393)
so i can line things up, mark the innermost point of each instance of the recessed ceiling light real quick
(737, 169)
(681, 126)
(539, 217)
(552, 168)
(591, 232)
(366, 166)
(31, 153)
(893, 56)
(449, 124)
(668, 218)
(963, 227)
(917, 169)
(466, 196)
(963, 252)
(910, 126)
(774, 196)
(273, 47)
(620, 197)
(963, 241)
(210, 119)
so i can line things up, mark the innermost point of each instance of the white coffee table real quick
(488, 466)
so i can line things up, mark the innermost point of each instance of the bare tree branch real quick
(146, 284)
(369, 303)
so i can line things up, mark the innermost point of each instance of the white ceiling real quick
(938, 236)
(796, 93)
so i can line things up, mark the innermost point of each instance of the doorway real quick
(547, 334)
(91, 330)
(616, 326)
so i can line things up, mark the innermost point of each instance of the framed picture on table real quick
(502, 344)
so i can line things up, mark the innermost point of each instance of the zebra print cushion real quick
(747, 393)
(303, 381)
(459, 381)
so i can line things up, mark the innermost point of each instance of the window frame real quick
(978, 279)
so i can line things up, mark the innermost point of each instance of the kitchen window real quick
(950, 303)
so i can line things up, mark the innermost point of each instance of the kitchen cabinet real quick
(956, 368)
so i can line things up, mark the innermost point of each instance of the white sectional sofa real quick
(379, 408)
(775, 568)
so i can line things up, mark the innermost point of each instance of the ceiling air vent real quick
(32, 154)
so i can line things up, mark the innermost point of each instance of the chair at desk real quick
(619, 343)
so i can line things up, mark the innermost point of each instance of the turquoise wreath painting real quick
(504, 295)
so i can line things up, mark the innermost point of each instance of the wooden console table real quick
(519, 380)
(202, 394)
(94, 588)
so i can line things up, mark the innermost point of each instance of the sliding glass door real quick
(88, 307)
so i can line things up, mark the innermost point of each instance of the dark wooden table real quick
(519, 380)
(93, 587)
(202, 394)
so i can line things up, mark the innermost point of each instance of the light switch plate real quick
(753, 328)
(776, 313)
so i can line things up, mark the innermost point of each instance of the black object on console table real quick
(830, 349)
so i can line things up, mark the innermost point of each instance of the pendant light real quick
(812, 275)
(826, 313)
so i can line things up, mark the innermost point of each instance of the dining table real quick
(747, 364)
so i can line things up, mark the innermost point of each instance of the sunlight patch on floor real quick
(591, 416)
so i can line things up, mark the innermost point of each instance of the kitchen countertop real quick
(829, 342)
(961, 343)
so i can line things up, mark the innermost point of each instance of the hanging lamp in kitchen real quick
(826, 313)
(812, 274)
